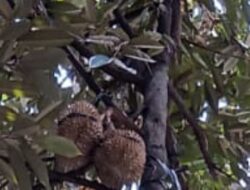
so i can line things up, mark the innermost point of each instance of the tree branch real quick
(155, 112)
(228, 55)
(123, 23)
(87, 76)
(134, 13)
(195, 127)
(128, 123)
(57, 177)
(230, 176)
(176, 22)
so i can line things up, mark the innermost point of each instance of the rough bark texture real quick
(154, 129)
(156, 99)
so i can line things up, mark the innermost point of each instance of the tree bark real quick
(154, 129)
(155, 113)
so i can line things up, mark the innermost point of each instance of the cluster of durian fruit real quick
(118, 155)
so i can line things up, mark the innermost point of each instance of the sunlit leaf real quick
(7, 114)
(120, 64)
(17, 89)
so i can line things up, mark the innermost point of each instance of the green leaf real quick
(5, 9)
(218, 79)
(198, 58)
(232, 7)
(51, 57)
(242, 86)
(90, 10)
(246, 10)
(146, 42)
(211, 96)
(48, 110)
(7, 172)
(36, 164)
(230, 64)
(123, 66)
(6, 51)
(97, 61)
(15, 29)
(63, 7)
(30, 130)
(119, 33)
(46, 37)
(137, 54)
(23, 8)
(17, 89)
(7, 114)
(17, 161)
(59, 145)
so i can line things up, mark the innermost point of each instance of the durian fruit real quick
(120, 158)
(81, 123)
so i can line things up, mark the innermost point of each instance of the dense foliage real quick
(53, 52)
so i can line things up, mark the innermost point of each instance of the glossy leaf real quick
(97, 61)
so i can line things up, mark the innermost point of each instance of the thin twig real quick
(87, 76)
(228, 55)
(123, 23)
(195, 127)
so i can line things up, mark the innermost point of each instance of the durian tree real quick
(136, 94)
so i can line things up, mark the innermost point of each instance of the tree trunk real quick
(154, 129)
(156, 99)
